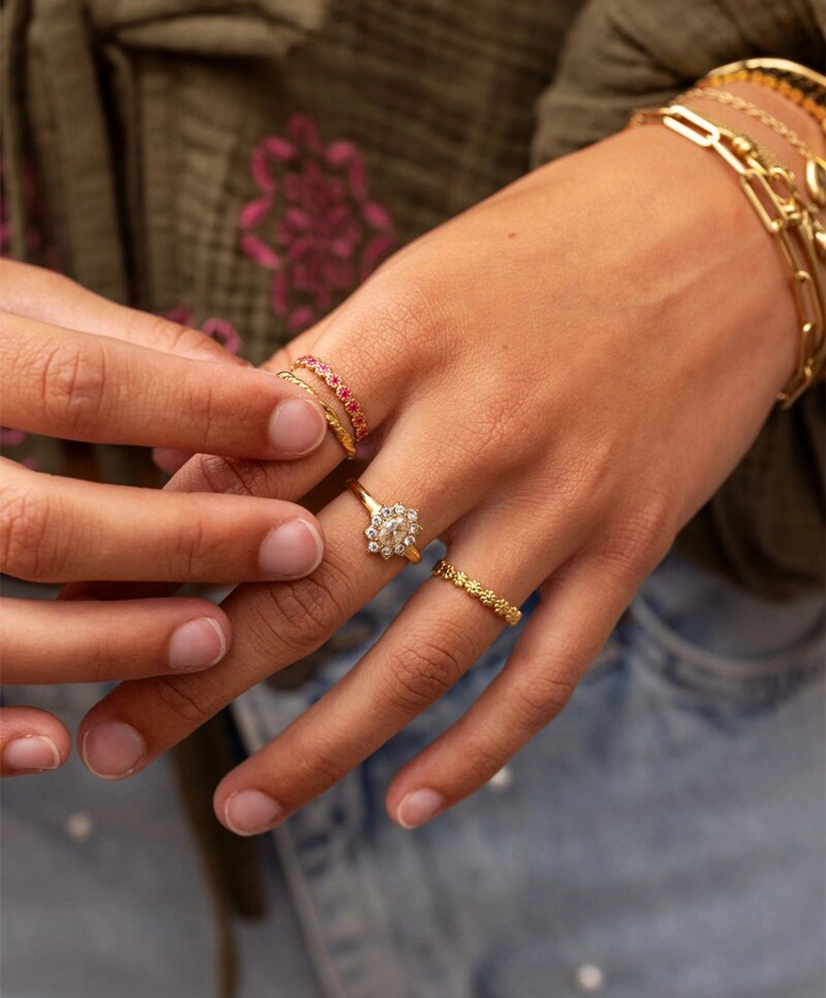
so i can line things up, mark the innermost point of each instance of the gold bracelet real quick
(815, 171)
(342, 434)
(774, 196)
(799, 84)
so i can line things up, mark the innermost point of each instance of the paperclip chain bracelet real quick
(786, 216)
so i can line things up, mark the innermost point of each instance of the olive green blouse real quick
(244, 166)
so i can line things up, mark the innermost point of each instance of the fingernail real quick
(291, 551)
(34, 752)
(198, 644)
(297, 427)
(249, 812)
(112, 749)
(419, 807)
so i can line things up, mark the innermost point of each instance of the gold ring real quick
(511, 614)
(342, 434)
(392, 529)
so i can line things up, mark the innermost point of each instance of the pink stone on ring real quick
(343, 393)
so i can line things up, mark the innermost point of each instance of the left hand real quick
(558, 380)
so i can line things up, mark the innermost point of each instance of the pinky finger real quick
(561, 639)
(31, 741)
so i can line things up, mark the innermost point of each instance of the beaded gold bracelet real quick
(784, 213)
(799, 84)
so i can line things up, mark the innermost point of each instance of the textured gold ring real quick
(343, 435)
(487, 597)
(392, 528)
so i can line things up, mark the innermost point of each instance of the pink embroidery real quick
(220, 330)
(313, 225)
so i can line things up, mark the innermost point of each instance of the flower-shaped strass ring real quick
(393, 528)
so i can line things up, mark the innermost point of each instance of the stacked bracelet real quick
(785, 214)
(799, 84)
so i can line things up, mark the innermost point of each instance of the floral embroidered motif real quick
(220, 330)
(313, 225)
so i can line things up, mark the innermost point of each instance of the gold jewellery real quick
(343, 392)
(785, 214)
(815, 169)
(392, 528)
(799, 84)
(342, 434)
(487, 597)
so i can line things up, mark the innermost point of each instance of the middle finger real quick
(277, 624)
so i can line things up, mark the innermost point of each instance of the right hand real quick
(79, 367)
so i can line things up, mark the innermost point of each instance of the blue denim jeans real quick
(663, 838)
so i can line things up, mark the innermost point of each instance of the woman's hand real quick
(76, 366)
(558, 379)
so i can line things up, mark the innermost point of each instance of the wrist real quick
(784, 199)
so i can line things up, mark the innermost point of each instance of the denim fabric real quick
(664, 838)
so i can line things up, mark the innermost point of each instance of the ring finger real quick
(438, 636)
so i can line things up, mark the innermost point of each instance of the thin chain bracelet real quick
(815, 173)
(779, 205)
(741, 104)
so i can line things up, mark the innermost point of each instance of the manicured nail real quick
(419, 807)
(198, 644)
(33, 752)
(249, 812)
(112, 750)
(291, 551)
(297, 427)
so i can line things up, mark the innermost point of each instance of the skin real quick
(79, 367)
(558, 379)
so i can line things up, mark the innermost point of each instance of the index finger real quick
(81, 386)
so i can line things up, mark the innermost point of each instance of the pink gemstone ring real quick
(343, 392)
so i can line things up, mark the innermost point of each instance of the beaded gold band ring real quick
(487, 597)
(343, 392)
(343, 435)
(392, 528)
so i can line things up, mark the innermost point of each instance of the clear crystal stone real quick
(372, 533)
(408, 541)
(399, 549)
(415, 528)
(398, 509)
(386, 511)
(393, 531)
(372, 547)
(386, 552)
(376, 520)
(412, 514)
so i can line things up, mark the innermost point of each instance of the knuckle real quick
(639, 539)
(185, 700)
(24, 528)
(232, 476)
(483, 759)
(404, 315)
(189, 552)
(300, 616)
(319, 767)
(424, 672)
(73, 385)
(540, 700)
